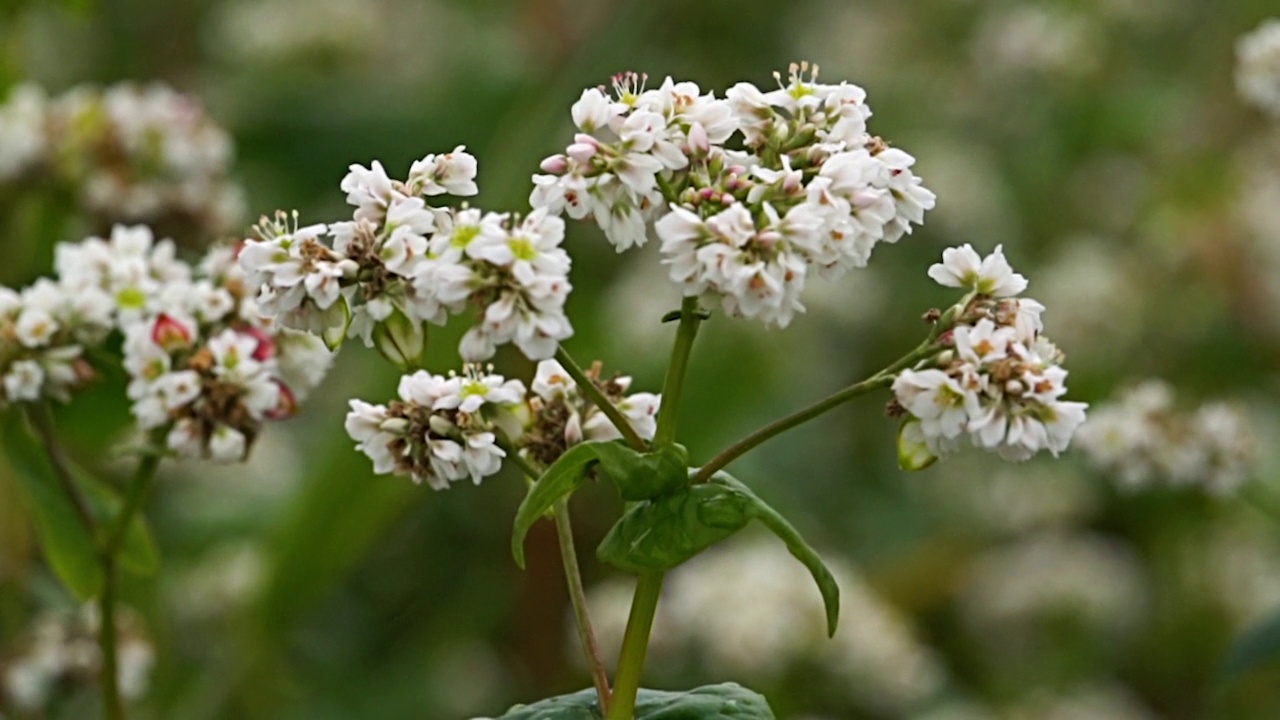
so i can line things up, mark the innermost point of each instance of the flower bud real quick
(582, 152)
(699, 143)
(170, 334)
(440, 425)
(913, 452)
(555, 164)
(400, 340)
(286, 407)
(395, 426)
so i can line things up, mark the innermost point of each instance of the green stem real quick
(597, 398)
(138, 491)
(635, 645)
(884, 378)
(578, 597)
(113, 705)
(673, 384)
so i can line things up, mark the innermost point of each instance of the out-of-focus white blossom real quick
(1142, 439)
(130, 153)
(1087, 702)
(1258, 67)
(747, 194)
(61, 648)
(999, 383)
(1010, 592)
(750, 611)
(1035, 39)
(442, 429)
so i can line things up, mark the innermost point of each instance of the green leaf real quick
(138, 553)
(641, 476)
(563, 477)
(787, 532)
(727, 701)
(68, 545)
(1260, 645)
(660, 534)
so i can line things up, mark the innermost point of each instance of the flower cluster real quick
(561, 417)
(442, 429)
(400, 263)
(1258, 67)
(1142, 439)
(746, 193)
(202, 361)
(130, 153)
(998, 381)
(61, 649)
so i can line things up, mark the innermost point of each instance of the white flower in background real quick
(452, 173)
(749, 610)
(1001, 384)
(1142, 439)
(1085, 702)
(1258, 67)
(742, 229)
(561, 416)
(1013, 595)
(23, 143)
(60, 649)
(130, 268)
(442, 429)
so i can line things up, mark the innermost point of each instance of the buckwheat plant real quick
(206, 370)
(748, 195)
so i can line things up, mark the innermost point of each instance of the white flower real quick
(961, 267)
(176, 389)
(226, 445)
(452, 172)
(1258, 67)
(23, 381)
(365, 425)
(186, 439)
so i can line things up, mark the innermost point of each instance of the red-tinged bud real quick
(708, 193)
(170, 334)
(266, 348)
(555, 164)
(287, 406)
(236, 249)
(582, 152)
(84, 372)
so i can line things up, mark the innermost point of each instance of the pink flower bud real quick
(556, 165)
(582, 152)
(586, 139)
(170, 334)
(266, 348)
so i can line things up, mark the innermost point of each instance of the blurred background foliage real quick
(1100, 141)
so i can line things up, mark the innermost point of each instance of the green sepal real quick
(400, 339)
(799, 549)
(641, 476)
(68, 545)
(913, 452)
(563, 477)
(337, 320)
(659, 534)
(726, 701)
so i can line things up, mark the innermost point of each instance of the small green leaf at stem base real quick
(726, 701)
(563, 477)
(67, 543)
(659, 534)
(641, 476)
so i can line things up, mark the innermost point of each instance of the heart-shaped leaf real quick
(641, 476)
(68, 544)
(563, 477)
(807, 556)
(659, 534)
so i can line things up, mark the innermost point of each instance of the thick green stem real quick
(635, 645)
(112, 704)
(136, 494)
(673, 384)
(884, 378)
(597, 398)
(578, 598)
